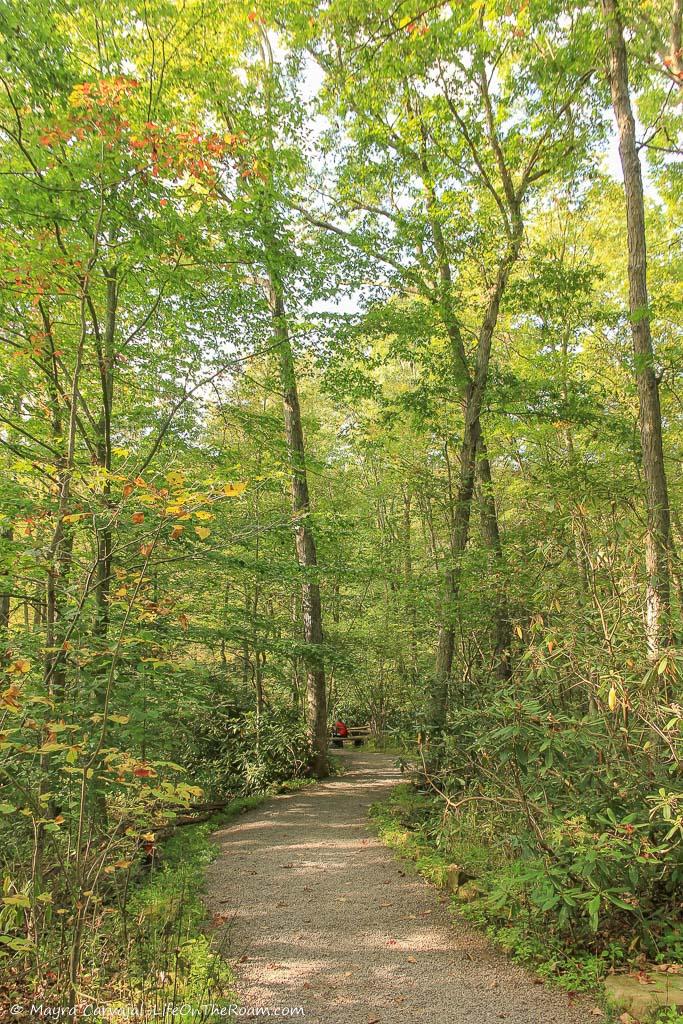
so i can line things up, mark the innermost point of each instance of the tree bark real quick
(105, 359)
(316, 696)
(471, 387)
(472, 407)
(657, 615)
(5, 597)
(408, 580)
(502, 638)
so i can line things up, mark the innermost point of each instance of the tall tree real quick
(311, 608)
(658, 600)
(453, 127)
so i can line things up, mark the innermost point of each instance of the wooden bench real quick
(357, 736)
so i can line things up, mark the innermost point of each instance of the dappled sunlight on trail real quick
(320, 914)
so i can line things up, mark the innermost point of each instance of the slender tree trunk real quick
(316, 697)
(471, 388)
(502, 639)
(257, 674)
(5, 596)
(408, 579)
(259, 661)
(657, 620)
(246, 653)
(6, 574)
(224, 622)
(472, 407)
(105, 355)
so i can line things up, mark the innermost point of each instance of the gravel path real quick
(321, 915)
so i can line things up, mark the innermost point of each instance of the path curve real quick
(321, 915)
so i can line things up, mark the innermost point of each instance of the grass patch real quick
(159, 949)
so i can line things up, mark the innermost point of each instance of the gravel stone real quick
(321, 915)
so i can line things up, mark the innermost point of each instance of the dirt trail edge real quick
(321, 915)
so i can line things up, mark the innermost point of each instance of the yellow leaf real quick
(519, 631)
(234, 490)
(119, 719)
(74, 518)
(21, 665)
(205, 516)
(149, 837)
(175, 479)
(202, 532)
(612, 699)
(16, 901)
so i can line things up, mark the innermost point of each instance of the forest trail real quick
(321, 915)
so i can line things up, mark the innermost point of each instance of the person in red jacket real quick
(339, 733)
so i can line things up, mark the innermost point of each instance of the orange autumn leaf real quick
(10, 697)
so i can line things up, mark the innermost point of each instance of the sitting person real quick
(339, 733)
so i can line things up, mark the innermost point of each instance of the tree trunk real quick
(316, 697)
(408, 580)
(472, 407)
(105, 358)
(502, 639)
(5, 596)
(471, 388)
(657, 619)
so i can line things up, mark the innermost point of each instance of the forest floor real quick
(319, 914)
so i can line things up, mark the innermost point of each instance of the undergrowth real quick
(407, 822)
(153, 953)
(169, 952)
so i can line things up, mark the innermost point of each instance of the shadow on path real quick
(321, 915)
